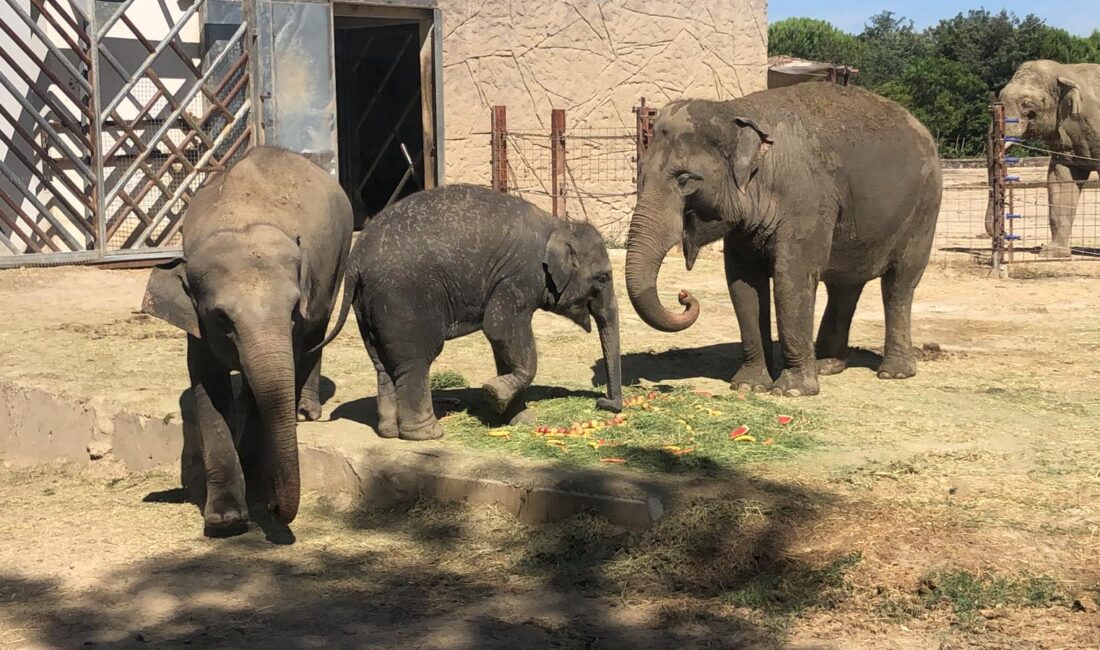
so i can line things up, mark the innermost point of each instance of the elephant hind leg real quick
(387, 392)
(898, 360)
(1063, 191)
(309, 402)
(836, 324)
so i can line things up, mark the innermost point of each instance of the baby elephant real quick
(450, 261)
(264, 245)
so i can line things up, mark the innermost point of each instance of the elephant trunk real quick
(655, 228)
(606, 313)
(268, 364)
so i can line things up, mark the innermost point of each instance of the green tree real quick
(990, 45)
(949, 99)
(816, 40)
(889, 45)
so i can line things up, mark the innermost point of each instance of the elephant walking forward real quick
(814, 182)
(454, 260)
(264, 248)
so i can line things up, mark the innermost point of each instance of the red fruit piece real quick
(738, 432)
(784, 419)
(614, 461)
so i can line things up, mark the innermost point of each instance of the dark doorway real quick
(380, 130)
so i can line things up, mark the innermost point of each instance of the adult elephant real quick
(805, 183)
(264, 245)
(1057, 104)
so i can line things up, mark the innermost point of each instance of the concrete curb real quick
(37, 426)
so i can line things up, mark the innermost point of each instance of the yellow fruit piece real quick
(498, 434)
(593, 444)
(745, 439)
(688, 428)
(672, 448)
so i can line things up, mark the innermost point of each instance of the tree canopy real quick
(944, 74)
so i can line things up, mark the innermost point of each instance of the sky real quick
(1079, 17)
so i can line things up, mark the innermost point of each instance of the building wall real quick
(594, 59)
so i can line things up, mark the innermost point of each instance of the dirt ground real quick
(955, 509)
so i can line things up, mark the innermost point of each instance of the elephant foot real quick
(225, 508)
(604, 404)
(432, 431)
(897, 367)
(498, 395)
(831, 366)
(1054, 251)
(309, 410)
(388, 430)
(526, 416)
(797, 382)
(752, 378)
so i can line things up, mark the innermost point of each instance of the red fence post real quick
(557, 159)
(643, 136)
(500, 148)
(997, 166)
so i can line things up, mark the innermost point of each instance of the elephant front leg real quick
(516, 359)
(751, 298)
(225, 488)
(1063, 192)
(309, 402)
(795, 291)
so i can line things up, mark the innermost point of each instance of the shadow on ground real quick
(716, 571)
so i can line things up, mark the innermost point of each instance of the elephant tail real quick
(351, 292)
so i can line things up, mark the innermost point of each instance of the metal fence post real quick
(644, 135)
(500, 148)
(557, 160)
(996, 164)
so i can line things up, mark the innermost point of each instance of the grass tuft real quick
(447, 379)
(968, 593)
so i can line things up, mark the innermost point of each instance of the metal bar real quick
(437, 91)
(128, 86)
(557, 160)
(186, 182)
(499, 143)
(382, 84)
(37, 31)
(180, 53)
(80, 31)
(30, 222)
(386, 144)
(22, 235)
(43, 67)
(59, 141)
(187, 98)
(101, 33)
(190, 136)
(61, 30)
(41, 177)
(95, 77)
(245, 136)
(42, 153)
(42, 209)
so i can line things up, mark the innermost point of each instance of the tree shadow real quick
(718, 569)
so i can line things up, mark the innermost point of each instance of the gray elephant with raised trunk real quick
(264, 248)
(1057, 104)
(806, 183)
(450, 261)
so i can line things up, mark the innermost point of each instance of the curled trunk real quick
(268, 364)
(655, 228)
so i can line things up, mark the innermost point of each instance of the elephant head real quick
(695, 181)
(579, 287)
(1042, 102)
(244, 295)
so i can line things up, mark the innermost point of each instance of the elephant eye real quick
(602, 278)
(684, 178)
(222, 320)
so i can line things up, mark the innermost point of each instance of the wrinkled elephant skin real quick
(806, 183)
(264, 248)
(454, 260)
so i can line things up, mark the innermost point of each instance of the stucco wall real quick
(594, 59)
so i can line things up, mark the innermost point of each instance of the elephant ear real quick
(305, 286)
(559, 260)
(1069, 104)
(749, 147)
(168, 297)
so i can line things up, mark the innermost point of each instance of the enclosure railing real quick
(103, 148)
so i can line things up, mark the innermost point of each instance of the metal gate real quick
(112, 115)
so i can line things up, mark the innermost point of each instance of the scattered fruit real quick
(784, 420)
(703, 393)
(769, 441)
(594, 444)
(497, 433)
(614, 461)
(739, 432)
(744, 439)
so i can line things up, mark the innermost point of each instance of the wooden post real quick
(500, 148)
(557, 160)
(643, 136)
(997, 167)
